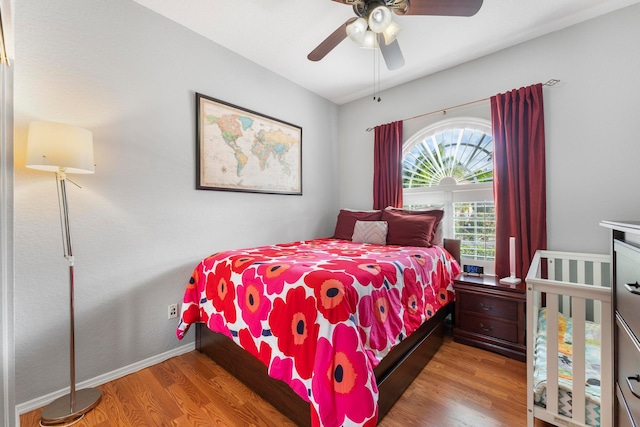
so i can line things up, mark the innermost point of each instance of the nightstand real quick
(490, 315)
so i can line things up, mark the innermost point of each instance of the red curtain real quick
(519, 181)
(387, 166)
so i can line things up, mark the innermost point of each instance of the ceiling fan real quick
(374, 26)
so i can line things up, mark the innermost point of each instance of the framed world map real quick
(241, 150)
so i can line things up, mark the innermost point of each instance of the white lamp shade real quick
(357, 29)
(379, 19)
(391, 32)
(369, 41)
(59, 147)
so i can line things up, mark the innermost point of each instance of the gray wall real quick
(139, 226)
(591, 134)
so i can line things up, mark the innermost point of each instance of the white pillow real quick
(370, 232)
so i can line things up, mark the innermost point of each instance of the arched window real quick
(449, 164)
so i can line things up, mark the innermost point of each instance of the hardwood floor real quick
(461, 386)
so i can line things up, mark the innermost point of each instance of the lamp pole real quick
(60, 148)
(75, 404)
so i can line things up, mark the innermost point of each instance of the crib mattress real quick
(565, 358)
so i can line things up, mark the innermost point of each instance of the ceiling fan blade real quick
(391, 53)
(330, 42)
(445, 7)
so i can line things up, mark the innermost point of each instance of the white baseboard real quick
(39, 402)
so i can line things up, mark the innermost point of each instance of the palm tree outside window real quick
(449, 165)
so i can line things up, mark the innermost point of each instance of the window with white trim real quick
(449, 164)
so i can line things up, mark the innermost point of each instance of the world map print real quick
(244, 151)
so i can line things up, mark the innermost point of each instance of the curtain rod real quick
(550, 82)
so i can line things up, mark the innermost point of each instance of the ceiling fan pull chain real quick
(376, 71)
(374, 74)
(379, 78)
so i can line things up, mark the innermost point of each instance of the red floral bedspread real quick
(321, 314)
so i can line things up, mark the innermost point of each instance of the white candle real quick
(512, 256)
(511, 280)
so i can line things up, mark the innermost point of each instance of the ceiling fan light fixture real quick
(391, 32)
(357, 30)
(369, 41)
(379, 18)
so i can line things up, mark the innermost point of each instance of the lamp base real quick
(510, 280)
(59, 411)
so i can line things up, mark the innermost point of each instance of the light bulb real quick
(369, 41)
(391, 32)
(379, 19)
(356, 30)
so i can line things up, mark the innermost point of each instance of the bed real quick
(329, 331)
(569, 342)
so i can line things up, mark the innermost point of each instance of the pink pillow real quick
(437, 214)
(347, 222)
(370, 232)
(409, 230)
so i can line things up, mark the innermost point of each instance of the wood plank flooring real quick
(461, 386)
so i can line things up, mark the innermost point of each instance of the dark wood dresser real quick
(490, 315)
(625, 245)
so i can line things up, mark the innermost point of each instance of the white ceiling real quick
(278, 34)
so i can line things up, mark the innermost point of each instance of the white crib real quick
(575, 289)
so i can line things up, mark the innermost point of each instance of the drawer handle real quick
(488, 308)
(489, 329)
(634, 288)
(636, 378)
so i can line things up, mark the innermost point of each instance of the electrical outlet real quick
(173, 311)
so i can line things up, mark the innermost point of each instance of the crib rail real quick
(578, 286)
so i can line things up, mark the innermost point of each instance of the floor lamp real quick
(64, 149)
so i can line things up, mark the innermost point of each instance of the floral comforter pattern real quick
(321, 314)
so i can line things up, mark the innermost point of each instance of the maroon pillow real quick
(408, 230)
(347, 222)
(437, 214)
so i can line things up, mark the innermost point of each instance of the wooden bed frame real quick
(393, 375)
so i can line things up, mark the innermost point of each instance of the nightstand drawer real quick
(488, 305)
(489, 327)
(490, 315)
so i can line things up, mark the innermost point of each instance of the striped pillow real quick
(370, 232)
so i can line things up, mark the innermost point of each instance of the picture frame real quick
(241, 150)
